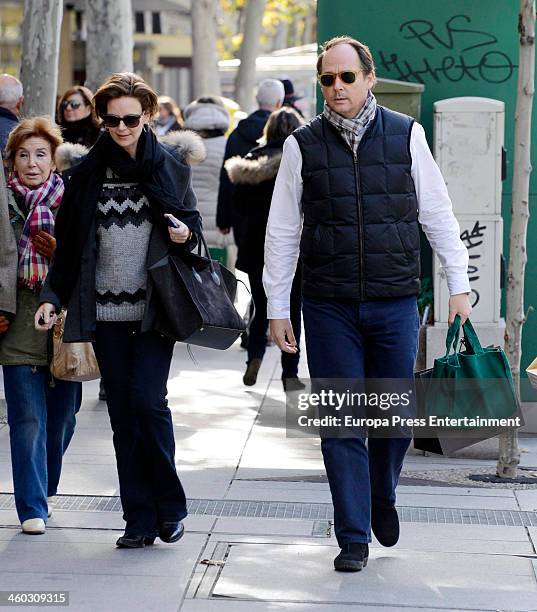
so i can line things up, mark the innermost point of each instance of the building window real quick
(140, 22)
(156, 23)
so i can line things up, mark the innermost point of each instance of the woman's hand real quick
(179, 232)
(4, 324)
(45, 317)
(45, 244)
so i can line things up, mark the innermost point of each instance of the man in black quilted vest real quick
(352, 187)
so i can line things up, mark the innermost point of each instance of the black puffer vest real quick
(360, 236)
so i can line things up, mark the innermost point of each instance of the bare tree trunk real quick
(509, 455)
(205, 77)
(280, 38)
(245, 81)
(40, 50)
(109, 42)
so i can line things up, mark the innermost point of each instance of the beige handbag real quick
(74, 361)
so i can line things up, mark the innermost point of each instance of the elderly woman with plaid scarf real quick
(41, 410)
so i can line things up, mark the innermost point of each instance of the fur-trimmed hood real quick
(68, 155)
(187, 144)
(253, 171)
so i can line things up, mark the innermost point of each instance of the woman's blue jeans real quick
(41, 423)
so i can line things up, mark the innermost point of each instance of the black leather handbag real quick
(196, 299)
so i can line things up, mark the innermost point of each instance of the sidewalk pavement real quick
(259, 536)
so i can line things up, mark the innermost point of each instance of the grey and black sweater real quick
(123, 229)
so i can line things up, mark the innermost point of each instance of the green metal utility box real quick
(400, 96)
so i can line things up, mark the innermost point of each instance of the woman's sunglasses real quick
(74, 104)
(130, 121)
(327, 79)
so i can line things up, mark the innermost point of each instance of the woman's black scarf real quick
(152, 170)
(84, 131)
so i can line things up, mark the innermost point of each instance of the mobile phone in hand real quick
(172, 222)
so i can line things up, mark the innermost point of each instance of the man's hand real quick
(459, 305)
(45, 244)
(224, 230)
(4, 324)
(45, 317)
(281, 331)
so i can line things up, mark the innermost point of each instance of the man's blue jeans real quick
(41, 422)
(356, 340)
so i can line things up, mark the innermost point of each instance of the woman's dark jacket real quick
(84, 131)
(253, 178)
(71, 279)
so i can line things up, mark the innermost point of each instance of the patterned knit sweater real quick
(123, 230)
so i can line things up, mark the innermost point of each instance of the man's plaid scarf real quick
(38, 203)
(352, 130)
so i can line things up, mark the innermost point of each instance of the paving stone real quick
(527, 500)
(64, 552)
(90, 592)
(456, 501)
(264, 526)
(305, 574)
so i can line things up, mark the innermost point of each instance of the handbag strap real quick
(252, 316)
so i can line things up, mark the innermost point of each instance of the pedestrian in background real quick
(291, 98)
(11, 100)
(209, 118)
(76, 117)
(169, 117)
(253, 178)
(270, 94)
(40, 410)
(114, 227)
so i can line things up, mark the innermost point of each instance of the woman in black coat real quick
(112, 227)
(254, 177)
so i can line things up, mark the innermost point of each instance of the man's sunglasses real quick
(327, 79)
(130, 121)
(74, 104)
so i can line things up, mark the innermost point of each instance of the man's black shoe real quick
(385, 525)
(134, 541)
(171, 531)
(352, 558)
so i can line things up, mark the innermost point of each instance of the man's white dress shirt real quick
(284, 226)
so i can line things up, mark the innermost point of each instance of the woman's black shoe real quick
(134, 541)
(171, 531)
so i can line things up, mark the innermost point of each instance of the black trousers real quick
(258, 329)
(134, 369)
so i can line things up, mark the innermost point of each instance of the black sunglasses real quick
(327, 79)
(130, 121)
(74, 104)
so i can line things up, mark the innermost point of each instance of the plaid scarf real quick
(353, 129)
(39, 202)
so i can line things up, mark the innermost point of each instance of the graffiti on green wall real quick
(465, 51)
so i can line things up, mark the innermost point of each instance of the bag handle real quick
(453, 335)
(250, 320)
(214, 274)
(470, 337)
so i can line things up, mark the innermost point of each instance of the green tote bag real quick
(476, 382)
